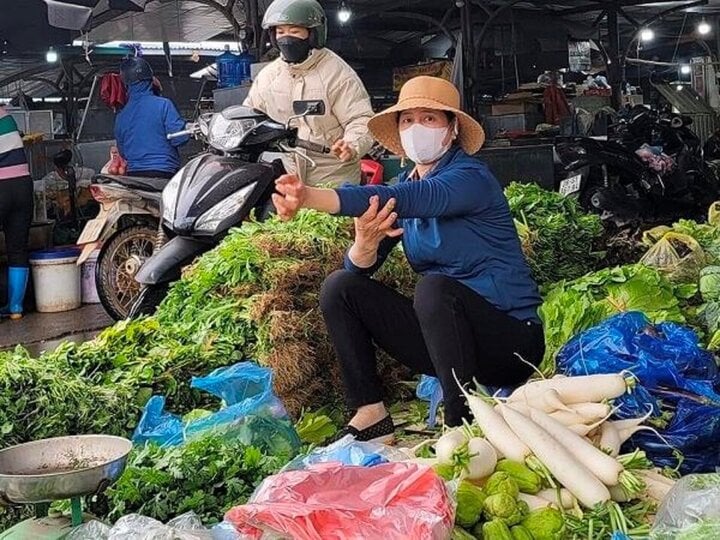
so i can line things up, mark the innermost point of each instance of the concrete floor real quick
(44, 331)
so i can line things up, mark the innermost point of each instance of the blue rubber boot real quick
(17, 284)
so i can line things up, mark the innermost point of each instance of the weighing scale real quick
(41, 472)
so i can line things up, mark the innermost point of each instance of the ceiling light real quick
(704, 28)
(51, 56)
(685, 69)
(679, 87)
(647, 34)
(344, 13)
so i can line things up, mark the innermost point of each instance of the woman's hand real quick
(343, 151)
(290, 196)
(375, 225)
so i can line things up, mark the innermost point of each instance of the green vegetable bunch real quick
(207, 476)
(559, 239)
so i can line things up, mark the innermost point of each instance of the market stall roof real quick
(376, 27)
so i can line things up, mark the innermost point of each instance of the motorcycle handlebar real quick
(182, 133)
(312, 147)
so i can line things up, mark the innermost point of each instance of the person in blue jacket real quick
(474, 314)
(143, 124)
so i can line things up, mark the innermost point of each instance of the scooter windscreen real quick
(213, 193)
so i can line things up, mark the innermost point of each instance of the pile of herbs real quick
(253, 297)
(573, 306)
(208, 476)
(559, 239)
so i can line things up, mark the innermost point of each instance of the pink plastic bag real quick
(329, 501)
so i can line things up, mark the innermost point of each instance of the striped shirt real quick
(13, 163)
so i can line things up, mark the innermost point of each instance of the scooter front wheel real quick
(120, 259)
(148, 300)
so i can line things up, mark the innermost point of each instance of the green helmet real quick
(306, 13)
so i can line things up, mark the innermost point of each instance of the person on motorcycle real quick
(143, 124)
(16, 212)
(306, 70)
(474, 313)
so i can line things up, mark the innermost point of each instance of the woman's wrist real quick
(323, 200)
(363, 256)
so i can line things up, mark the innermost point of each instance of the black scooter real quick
(220, 188)
(609, 178)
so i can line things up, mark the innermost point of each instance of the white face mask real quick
(424, 145)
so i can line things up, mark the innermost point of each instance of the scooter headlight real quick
(227, 135)
(211, 220)
(169, 197)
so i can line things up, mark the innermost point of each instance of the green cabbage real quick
(710, 283)
(505, 507)
(495, 530)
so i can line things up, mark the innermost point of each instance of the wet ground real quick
(44, 331)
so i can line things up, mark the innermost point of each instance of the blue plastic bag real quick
(429, 389)
(675, 374)
(348, 451)
(250, 413)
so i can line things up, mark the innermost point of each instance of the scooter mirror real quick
(309, 108)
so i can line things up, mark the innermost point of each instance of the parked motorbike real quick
(610, 178)
(220, 189)
(127, 232)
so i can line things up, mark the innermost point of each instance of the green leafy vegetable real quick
(207, 476)
(558, 238)
(315, 428)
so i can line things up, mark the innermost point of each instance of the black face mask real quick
(294, 50)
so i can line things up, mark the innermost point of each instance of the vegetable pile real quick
(561, 474)
(559, 240)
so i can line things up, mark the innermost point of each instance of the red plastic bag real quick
(112, 91)
(329, 501)
(116, 164)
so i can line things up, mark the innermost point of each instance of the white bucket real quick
(89, 287)
(56, 280)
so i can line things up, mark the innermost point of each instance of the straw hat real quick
(426, 93)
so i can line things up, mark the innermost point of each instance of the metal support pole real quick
(615, 63)
(468, 55)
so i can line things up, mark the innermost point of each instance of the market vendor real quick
(475, 309)
(16, 212)
(143, 124)
(306, 70)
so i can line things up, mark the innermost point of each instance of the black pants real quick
(16, 213)
(447, 327)
(152, 174)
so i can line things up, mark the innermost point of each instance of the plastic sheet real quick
(392, 501)
(348, 451)
(251, 412)
(678, 255)
(136, 527)
(691, 510)
(429, 389)
(674, 375)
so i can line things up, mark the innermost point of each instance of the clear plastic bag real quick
(691, 510)
(252, 413)
(677, 255)
(92, 530)
(136, 527)
(348, 451)
(392, 501)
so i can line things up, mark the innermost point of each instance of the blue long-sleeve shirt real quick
(142, 127)
(457, 222)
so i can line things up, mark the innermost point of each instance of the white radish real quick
(547, 402)
(580, 429)
(588, 388)
(591, 411)
(604, 467)
(564, 498)
(446, 445)
(495, 429)
(625, 434)
(559, 461)
(619, 494)
(534, 502)
(570, 418)
(483, 459)
(610, 439)
(657, 486)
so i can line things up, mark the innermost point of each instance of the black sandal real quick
(382, 432)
